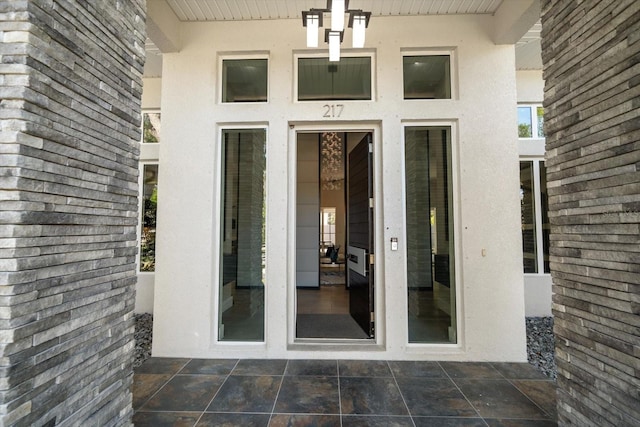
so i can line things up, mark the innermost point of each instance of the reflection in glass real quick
(241, 307)
(244, 80)
(525, 129)
(149, 210)
(546, 227)
(150, 127)
(321, 80)
(427, 77)
(528, 217)
(540, 117)
(430, 244)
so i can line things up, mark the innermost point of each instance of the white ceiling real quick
(528, 50)
(229, 10)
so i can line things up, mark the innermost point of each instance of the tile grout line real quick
(275, 401)
(216, 393)
(395, 381)
(463, 395)
(161, 387)
(550, 417)
(339, 393)
(509, 380)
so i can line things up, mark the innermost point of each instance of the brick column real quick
(591, 52)
(70, 86)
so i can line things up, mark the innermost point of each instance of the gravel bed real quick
(541, 345)
(142, 335)
(540, 342)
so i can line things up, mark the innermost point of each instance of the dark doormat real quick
(328, 326)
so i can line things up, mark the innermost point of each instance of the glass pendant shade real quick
(337, 15)
(312, 30)
(334, 46)
(359, 26)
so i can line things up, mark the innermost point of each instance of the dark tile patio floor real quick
(245, 392)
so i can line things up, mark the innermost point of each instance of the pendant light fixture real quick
(358, 21)
(337, 8)
(313, 21)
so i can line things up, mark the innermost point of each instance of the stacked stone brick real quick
(70, 87)
(591, 55)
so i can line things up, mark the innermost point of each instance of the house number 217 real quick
(332, 110)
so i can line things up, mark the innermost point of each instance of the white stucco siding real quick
(183, 305)
(530, 86)
(482, 115)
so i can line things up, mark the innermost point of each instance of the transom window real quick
(321, 80)
(244, 80)
(427, 76)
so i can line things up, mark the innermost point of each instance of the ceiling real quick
(528, 50)
(238, 10)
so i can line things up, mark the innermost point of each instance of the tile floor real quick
(197, 392)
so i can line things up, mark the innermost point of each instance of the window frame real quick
(217, 240)
(533, 111)
(538, 223)
(142, 114)
(141, 166)
(224, 56)
(360, 53)
(433, 51)
(457, 327)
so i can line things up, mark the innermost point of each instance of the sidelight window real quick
(429, 235)
(242, 261)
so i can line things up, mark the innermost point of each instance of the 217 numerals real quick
(332, 110)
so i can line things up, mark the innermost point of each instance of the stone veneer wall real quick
(70, 88)
(591, 55)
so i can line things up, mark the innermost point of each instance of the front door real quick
(360, 234)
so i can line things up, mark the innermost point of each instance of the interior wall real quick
(307, 211)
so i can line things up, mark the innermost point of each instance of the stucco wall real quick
(483, 118)
(530, 86)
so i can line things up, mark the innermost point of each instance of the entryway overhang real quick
(514, 21)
